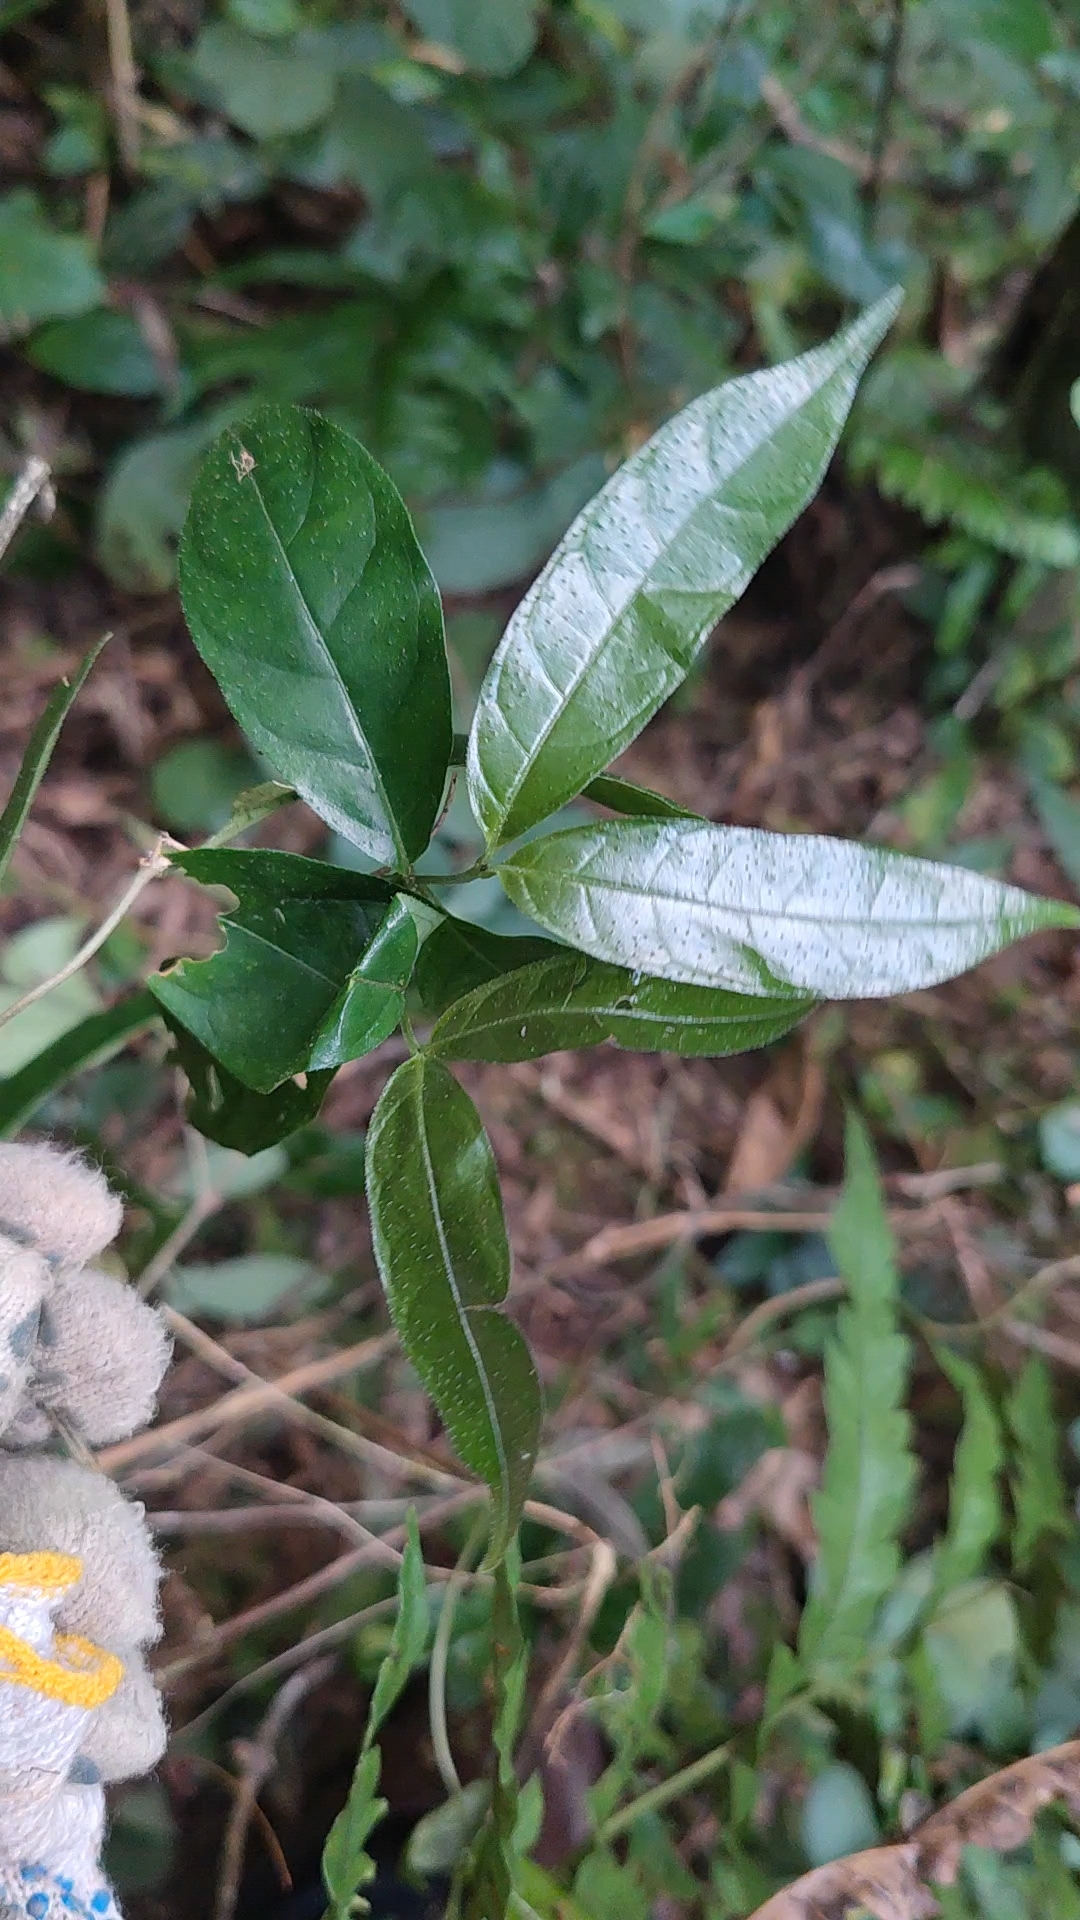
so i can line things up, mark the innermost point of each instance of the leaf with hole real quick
(440, 1241)
(224, 1110)
(572, 1001)
(621, 611)
(276, 992)
(312, 605)
(765, 913)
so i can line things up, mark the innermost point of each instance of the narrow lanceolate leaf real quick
(572, 1001)
(975, 1482)
(294, 943)
(869, 1468)
(311, 603)
(767, 912)
(90, 1044)
(627, 600)
(1040, 1500)
(39, 752)
(440, 1241)
(623, 796)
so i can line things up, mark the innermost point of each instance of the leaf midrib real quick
(358, 732)
(541, 739)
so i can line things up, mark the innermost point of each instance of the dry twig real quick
(258, 1761)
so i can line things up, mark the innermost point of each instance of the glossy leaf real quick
(223, 1109)
(292, 945)
(572, 1001)
(39, 752)
(458, 956)
(95, 1040)
(767, 912)
(623, 796)
(626, 602)
(311, 603)
(372, 1000)
(869, 1468)
(440, 1241)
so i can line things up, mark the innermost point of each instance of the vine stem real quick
(667, 1790)
(150, 868)
(440, 1654)
(33, 480)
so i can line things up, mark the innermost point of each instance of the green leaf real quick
(33, 955)
(244, 1289)
(572, 1001)
(628, 599)
(869, 1471)
(39, 752)
(489, 36)
(194, 784)
(766, 912)
(1040, 1501)
(267, 87)
(974, 1485)
(90, 1044)
(372, 1001)
(440, 1241)
(459, 956)
(277, 992)
(491, 1870)
(314, 609)
(143, 505)
(622, 796)
(98, 352)
(223, 1109)
(1060, 816)
(44, 275)
(346, 1865)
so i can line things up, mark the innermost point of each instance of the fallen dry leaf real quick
(892, 1882)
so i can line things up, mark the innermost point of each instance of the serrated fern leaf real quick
(1023, 516)
(1040, 1501)
(975, 1483)
(869, 1468)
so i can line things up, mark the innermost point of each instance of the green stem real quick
(440, 1654)
(667, 1790)
(478, 871)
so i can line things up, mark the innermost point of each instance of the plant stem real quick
(667, 1790)
(883, 114)
(32, 480)
(478, 871)
(440, 1654)
(151, 868)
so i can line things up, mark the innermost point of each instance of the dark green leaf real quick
(622, 796)
(93, 1041)
(311, 603)
(572, 1001)
(459, 956)
(1040, 1501)
(292, 945)
(372, 1000)
(489, 36)
(44, 275)
(1060, 816)
(39, 752)
(869, 1468)
(410, 1633)
(99, 352)
(625, 604)
(223, 1109)
(440, 1241)
(765, 912)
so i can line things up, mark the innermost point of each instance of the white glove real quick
(78, 1573)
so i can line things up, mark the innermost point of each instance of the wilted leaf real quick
(869, 1469)
(572, 1001)
(766, 912)
(893, 1883)
(623, 607)
(440, 1241)
(313, 607)
(269, 998)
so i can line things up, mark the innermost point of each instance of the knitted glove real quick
(78, 1574)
